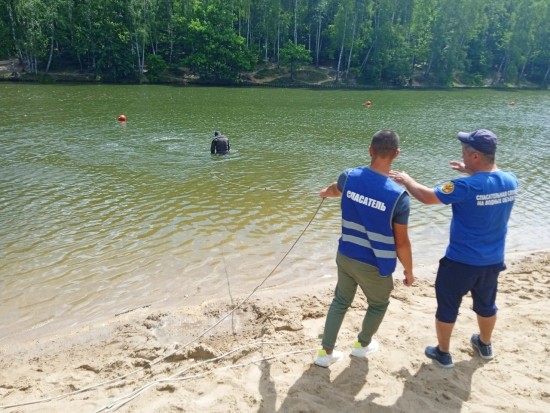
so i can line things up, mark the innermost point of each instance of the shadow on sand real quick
(430, 389)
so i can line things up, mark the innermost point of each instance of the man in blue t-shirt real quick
(481, 203)
(375, 214)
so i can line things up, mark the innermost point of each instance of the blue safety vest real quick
(368, 202)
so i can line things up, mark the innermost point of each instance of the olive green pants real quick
(377, 289)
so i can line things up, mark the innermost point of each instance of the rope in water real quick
(264, 188)
(164, 357)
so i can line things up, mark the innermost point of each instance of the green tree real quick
(31, 25)
(368, 41)
(294, 55)
(340, 32)
(7, 27)
(112, 43)
(217, 53)
(155, 67)
(530, 19)
(457, 22)
(540, 72)
(387, 57)
(317, 19)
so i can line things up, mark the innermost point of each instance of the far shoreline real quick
(309, 77)
(332, 86)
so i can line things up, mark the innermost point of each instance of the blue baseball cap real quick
(482, 140)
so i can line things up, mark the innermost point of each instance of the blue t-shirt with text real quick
(481, 205)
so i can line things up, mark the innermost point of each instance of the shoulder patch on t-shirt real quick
(448, 187)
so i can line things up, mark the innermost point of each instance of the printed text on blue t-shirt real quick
(496, 198)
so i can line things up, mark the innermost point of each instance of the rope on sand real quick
(229, 292)
(132, 309)
(125, 399)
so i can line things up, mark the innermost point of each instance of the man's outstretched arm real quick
(421, 192)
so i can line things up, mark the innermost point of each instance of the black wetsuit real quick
(220, 145)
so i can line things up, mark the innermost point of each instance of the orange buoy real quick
(122, 118)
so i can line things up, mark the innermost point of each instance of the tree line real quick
(372, 42)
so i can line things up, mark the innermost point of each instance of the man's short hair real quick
(489, 157)
(385, 143)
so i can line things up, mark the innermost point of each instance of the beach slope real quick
(256, 356)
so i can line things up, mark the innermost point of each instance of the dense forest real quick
(364, 42)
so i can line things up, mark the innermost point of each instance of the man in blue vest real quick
(481, 203)
(375, 213)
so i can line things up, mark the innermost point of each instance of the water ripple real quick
(98, 216)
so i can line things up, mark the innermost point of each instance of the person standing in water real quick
(220, 144)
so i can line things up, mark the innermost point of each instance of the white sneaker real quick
(325, 360)
(362, 352)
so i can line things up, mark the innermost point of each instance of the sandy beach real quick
(255, 353)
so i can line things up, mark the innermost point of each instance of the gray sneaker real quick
(485, 351)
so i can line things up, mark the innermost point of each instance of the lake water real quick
(99, 217)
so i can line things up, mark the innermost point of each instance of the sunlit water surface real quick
(99, 217)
